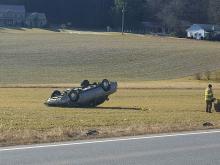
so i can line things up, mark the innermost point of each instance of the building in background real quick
(203, 31)
(15, 15)
(37, 20)
(12, 15)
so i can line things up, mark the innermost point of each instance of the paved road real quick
(192, 148)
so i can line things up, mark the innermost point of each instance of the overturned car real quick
(88, 95)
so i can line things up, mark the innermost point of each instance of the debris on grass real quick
(92, 133)
(208, 124)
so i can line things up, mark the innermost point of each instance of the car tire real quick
(56, 93)
(105, 85)
(74, 96)
(85, 84)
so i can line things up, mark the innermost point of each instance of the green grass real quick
(25, 119)
(36, 57)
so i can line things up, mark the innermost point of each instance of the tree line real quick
(101, 13)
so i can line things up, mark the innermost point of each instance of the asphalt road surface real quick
(190, 148)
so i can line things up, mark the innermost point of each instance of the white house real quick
(12, 15)
(202, 31)
(15, 15)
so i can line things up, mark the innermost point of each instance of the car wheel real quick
(56, 93)
(85, 84)
(105, 85)
(73, 95)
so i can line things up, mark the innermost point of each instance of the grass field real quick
(47, 57)
(34, 61)
(24, 119)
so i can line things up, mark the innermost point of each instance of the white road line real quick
(109, 140)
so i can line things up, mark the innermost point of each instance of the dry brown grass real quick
(24, 119)
(47, 57)
(32, 62)
(183, 83)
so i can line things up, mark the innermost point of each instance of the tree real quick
(153, 8)
(214, 11)
(196, 11)
(175, 14)
(171, 14)
(102, 13)
(134, 12)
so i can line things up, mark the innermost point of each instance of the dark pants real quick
(209, 106)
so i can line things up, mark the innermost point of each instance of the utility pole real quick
(123, 19)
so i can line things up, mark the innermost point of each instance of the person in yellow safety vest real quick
(209, 98)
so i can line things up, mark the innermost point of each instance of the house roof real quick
(36, 15)
(17, 8)
(206, 27)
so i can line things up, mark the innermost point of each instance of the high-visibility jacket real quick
(209, 94)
